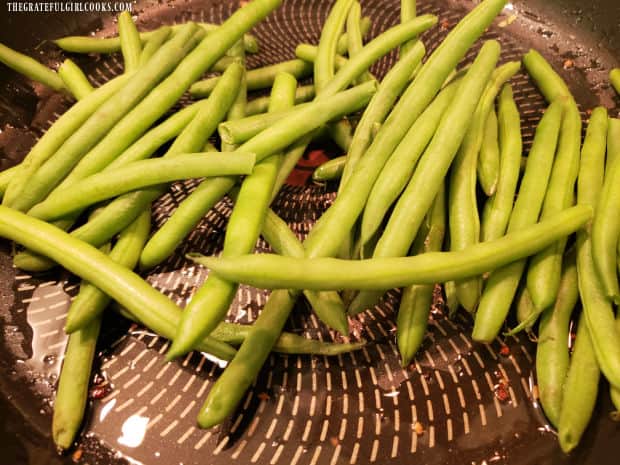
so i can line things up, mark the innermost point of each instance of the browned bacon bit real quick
(444, 24)
(99, 392)
(568, 64)
(504, 350)
(263, 396)
(418, 428)
(334, 441)
(77, 455)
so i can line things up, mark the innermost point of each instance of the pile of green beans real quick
(431, 185)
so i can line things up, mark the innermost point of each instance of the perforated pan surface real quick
(459, 402)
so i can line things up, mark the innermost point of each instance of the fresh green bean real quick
(330, 170)
(343, 41)
(489, 155)
(547, 80)
(452, 301)
(87, 44)
(614, 392)
(613, 141)
(552, 347)
(270, 271)
(104, 118)
(307, 53)
(30, 68)
(614, 78)
(6, 176)
(90, 303)
(501, 285)
(416, 301)
(408, 11)
(391, 87)
(580, 390)
(399, 168)
(137, 175)
(341, 132)
(354, 37)
(131, 45)
(335, 224)
(153, 43)
(432, 167)
(259, 105)
(150, 306)
(497, 208)
(328, 44)
(237, 109)
(72, 392)
(259, 78)
(74, 79)
(289, 160)
(58, 133)
(525, 311)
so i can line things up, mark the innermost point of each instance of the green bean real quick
(327, 304)
(104, 118)
(137, 175)
(259, 78)
(90, 303)
(399, 168)
(74, 79)
(354, 37)
(416, 300)
(614, 78)
(341, 132)
(580, 390)
(391, 87)
(614, 392)
(330, 170)
(87, 44)
(432, 167)
(408, 11)
(6, 176)
(259, 105)
(502, 284)
(597, 308)
(289, 160)
(328, 44)
(153, 43)
(343, 42)
(552, 348)
(452, 301)
(270, 271)
(613, 140)
(211, 301)
(131, 45)
(547, 80)
(72, 392)
(489, 155)
(30, 68)
(307, 53)
(526, 311)
(151, 307)
(335, 224)
(237, 109)
(497, 208)
(56, 135)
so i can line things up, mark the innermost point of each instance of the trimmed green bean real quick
(489, 155)
(237, 109)
(153, 43)
(259, 105)
(270, 271)
(330, 170)
(391, 87)
(408, 11)
(72, 392)
(90, 303)
(131, 45)
(74, 79)
(552, 348)
(580, 390)
(614, 78)
(452, 301)
(259, 78)
(416, 301)
(399, 168)
(30, 68)
(497, 208)
(432, 167)
(502, 284)
(58, 133)
(98, 125)
(150, 306)
(137, 175)
(87, 44)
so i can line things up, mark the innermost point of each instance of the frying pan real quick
(458, 403)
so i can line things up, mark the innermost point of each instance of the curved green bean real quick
(30, 68)
(488, 158)
(614, 78)
(74, 79)
(502, 284)
(580, 390)
(552, 347)
(153, 43)
(90, 303)
(497, 208)
(330, 170)
(131, 45)
(150, 306)
(418, 196)
(269, 271)
(140, 174)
